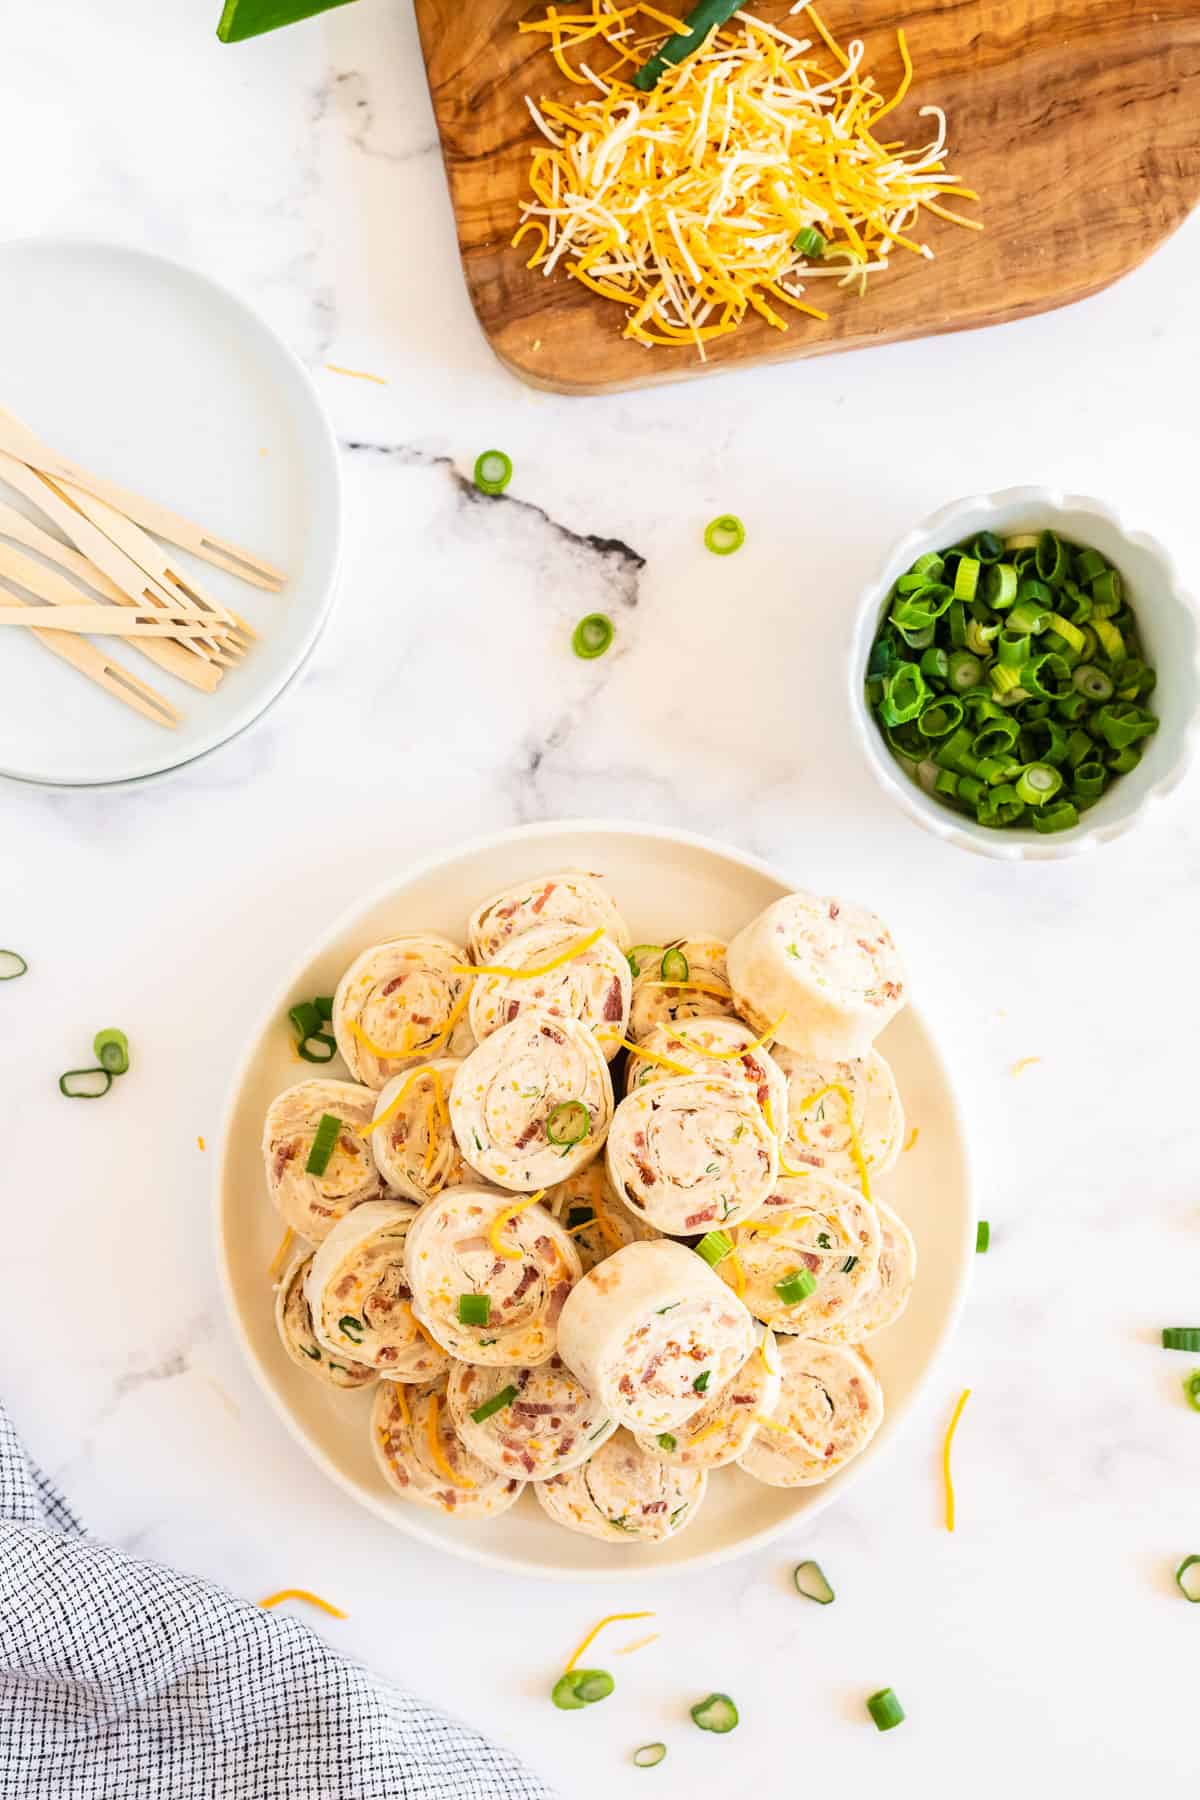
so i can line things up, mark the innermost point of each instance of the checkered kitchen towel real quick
(120, 1680)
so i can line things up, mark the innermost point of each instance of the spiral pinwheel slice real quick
(400, 1003)
(533, 1103)
(572, 898)
(844, 1118)
(590, 1213)
(651, 1331)
(545, 1423)
(293, 1321)
(823, 975)
(724, 1048)
(313, 1204)
(693, 1153)
(422, 1457)
(358, 1294)
(882, 1304)
(554, 969)
(813, 1229)
(703, 993)
(411, 1137)
(489, 1275)
(722, 1429)
(624, 1494)
(830, 1408)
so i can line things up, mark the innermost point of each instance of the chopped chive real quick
(499, 1401)
(714, 1247)
(701, 1382)
(493, 471)
(983, 1237)
(666, 1440)
(318, 1047)
(324, 1006)
(324, 1139)
(111, 1049)
(796, 1287)
(674, 966)
(85, 1084)
(724, 535)
(12, 965)
(1181, 1337)
(850, 1263)
(885, 1709)
(1188, 1584)
(569, 1123)
(474, 1309)
(811, 1581)
(581, 1687)
(715, 1713)
(648, 1756)
(351, 1327)
(305, 1018)
(809, 242)
(592, 636)
(1191, 1389)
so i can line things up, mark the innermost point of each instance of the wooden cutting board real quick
(1078, 121)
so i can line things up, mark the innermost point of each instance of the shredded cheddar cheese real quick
(1026, 1062)
(717, 989)
(200, 1144)
(743, 1050)
(650, 1056)
(946, 1448)
(357, 374)
(594, 1633)
(709, 1431)
(682, 204)
(856, 1150)
(639, 1643)
(335, 1612)
(733, 1263)
(437, 1454)
(285, 1244)
(501, 1220)
(913, 1135)
(393, 1051)
(568, 955)
(400, 1399)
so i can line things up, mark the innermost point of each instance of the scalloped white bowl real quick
(1169, 623)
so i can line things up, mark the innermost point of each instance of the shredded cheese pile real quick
(683, 204)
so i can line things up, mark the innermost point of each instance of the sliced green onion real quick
(1088, 565)
(1122, 723)
(1028, 617)
(1071, 634)
(12, 965)
(702, 19)
(85, 1084)
(1005, 680)
(940, 716)
(1047, 677)
(983, 1237)
(965, 670)
(493, 471)
(1189, 1585)
(714, 1247)
(716, 1713)
(979, 636)
(1089, 780)
(1110, 640)
(1107, 589)
(702, 1380)
(935, 664)
(724, 535)
(809, 242)
(474, 1309)
(640, 955)
(987, 547)
(1191, 1389)
(324, 1139)
(666, 1440)
(796, 1287)
(1092, 682)
(674, 966)
(648, 1756)
(324, 1006)
(581, 1687)
(811, 1581)
(904, 694)
(111, 1050)
(885, 1709)
(1051, 558)
(318, 1048)
(569, 1122)
(1181, 1337)
(592, 636)
(1060, 816)
(999, 588)
(305, 1018)
(1037, 783)
(499, 1401)
(966, 577)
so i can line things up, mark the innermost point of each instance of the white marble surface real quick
(1044, 1642)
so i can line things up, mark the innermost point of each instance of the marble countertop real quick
(1044, 1641)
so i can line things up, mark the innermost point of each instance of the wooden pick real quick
(110, 621)
(110, 676)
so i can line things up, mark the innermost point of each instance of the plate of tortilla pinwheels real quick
(591, 1199)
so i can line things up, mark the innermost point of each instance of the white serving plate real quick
(152, 375)
(664, 882)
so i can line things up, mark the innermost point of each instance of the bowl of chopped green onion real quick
(1025, 675)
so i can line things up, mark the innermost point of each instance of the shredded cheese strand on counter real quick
(594, 1633)
(946, 1448)
(335, 1612)
(682, 205)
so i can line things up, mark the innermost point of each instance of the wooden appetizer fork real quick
(109, 675)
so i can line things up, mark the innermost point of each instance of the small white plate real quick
(156, 377)
(663, 882)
